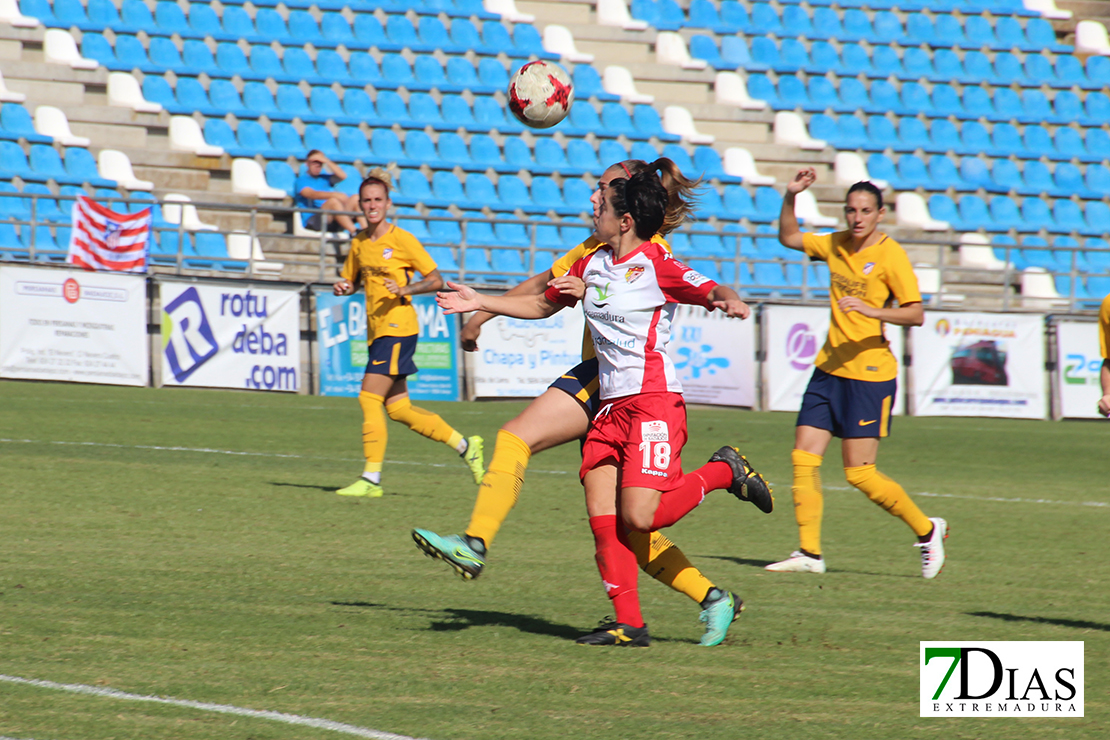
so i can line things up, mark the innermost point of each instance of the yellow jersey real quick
(1104, 328)
(397, 255)
(562, 267)
(856, 347)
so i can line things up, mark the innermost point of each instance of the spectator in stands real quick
(853, 385)
(315, 189)
(1104, 341)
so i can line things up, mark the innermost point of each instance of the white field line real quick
(290, 719)
(236, 453)
(1096, 504)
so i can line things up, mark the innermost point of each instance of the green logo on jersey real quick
(603, 294)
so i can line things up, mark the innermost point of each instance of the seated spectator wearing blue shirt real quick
(315, 189)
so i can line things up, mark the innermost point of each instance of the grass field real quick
(149, 561)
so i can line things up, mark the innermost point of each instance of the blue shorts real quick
(581, 382)
(392, 356)
(846, 407)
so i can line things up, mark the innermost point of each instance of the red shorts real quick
(643, 436)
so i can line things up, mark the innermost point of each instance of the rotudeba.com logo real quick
(1001, 679)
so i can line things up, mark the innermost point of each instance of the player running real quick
(852, 387)
(562, 414)
(383, 259)
(631, 466)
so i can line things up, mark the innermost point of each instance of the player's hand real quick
(569, 285)
(851, 303)
(805, 177)
(464, 299)
(469, 335)
(734, 308)
(342, 287)
(392, 286)
(1104, 405)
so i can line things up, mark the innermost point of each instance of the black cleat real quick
(615, 633)
(747, 485)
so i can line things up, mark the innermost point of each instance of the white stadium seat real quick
(9, 13)
(508, 11)
(6, 95)
(805, 208)
(976, 253)
(670, 48)
(559, 40)
(51, 121)
(114, 165)
(913, 213)
(186, 136)
(248, 178)
(850, 168)
(618, 81)
(240, 246)
(179, 209)
(677, 120)
(615, 13)
(1091, 38)
(740, 163)
(730, 89)
(124, 92)
(58, 47)
(790, 129)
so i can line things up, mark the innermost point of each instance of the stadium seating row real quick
(939, 135)
(1002, 213)
(850, 23)
(267, 25)
(1029, 177)
(1000, 68)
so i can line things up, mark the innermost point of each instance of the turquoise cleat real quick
(453, 550)
(718, 617)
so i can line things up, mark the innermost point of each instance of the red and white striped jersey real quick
(629, 305)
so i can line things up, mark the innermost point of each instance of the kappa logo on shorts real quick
(654, 431)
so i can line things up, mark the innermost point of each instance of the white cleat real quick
(932, 550)
(799, 562)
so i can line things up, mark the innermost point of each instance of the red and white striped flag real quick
(105, 240)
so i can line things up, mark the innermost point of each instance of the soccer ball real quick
(540, 94)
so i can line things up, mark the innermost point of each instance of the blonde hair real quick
(379, 176)
(681, 201)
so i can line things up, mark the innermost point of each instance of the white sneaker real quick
(799, 562)
(932, 551)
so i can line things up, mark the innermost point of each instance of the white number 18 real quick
(662, 455)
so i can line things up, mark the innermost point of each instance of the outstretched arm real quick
(911, 314)
(534, 285)
(790, 233)
(727, 300)
(520, 306)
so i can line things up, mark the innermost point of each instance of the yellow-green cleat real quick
(473, 458)
(362, 487)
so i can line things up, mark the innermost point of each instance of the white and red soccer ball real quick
(540, 94)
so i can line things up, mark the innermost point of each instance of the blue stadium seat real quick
(918, 63)
(827, 25)
(1096, 110)
(135, 16)
(230, 59)
(391, 107)
(291, 102)
(913, 173)
(1006, 140)
(251, 139)
(286, 141)
(82, 168)
(704, 14)
(44, 204)
(856, 61)
(943, 172)
(765, 20)
(577, 194)
(318, 136)
(1098, 71)
(1098, 145)
(886, 58)
(396, 70)
(735, 15)
(493, 74)
(587, 81)
(16, 123)
(130, 54)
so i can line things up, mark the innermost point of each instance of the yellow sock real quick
(889, 495)
(500, 488)
(374, 431)
(423, 422)
(662, 560)
(809, 504)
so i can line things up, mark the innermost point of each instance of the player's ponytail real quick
(380, 177)
(680, 189)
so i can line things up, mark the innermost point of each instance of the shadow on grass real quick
(456, 620)
(1076, 623)
(329, 489)
(764, 563)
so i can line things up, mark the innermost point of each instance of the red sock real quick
(715, 474)
(681, 500)
(617, 564)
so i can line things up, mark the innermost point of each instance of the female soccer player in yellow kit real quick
(383, 260)
(562, 414)
(852, 388)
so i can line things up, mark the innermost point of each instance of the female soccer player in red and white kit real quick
(631, 460)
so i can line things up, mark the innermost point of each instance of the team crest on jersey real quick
(387, 252)
(654, 431)
(695, 278)
(633, 273)
(868, 268)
